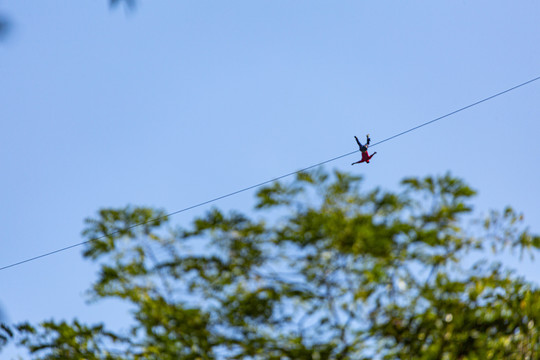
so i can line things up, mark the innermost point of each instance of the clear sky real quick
(178, 102)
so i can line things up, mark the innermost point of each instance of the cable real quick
(271, 180)
(458, 110)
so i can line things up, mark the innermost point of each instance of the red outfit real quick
(365, 157)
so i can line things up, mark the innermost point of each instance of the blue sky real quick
(178, 102)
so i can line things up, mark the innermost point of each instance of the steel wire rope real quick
(268, 181)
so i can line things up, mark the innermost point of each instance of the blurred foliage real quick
(128, 3)
(4, 26)
(5, 332)
(323, 270)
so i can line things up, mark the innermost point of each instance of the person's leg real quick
(358, 162)
(372, 155)
(358, 142)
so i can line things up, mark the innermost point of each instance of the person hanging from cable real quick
(364, 149)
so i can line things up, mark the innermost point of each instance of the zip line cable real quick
(271, 180)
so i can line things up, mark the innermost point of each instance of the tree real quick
(324, 271)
